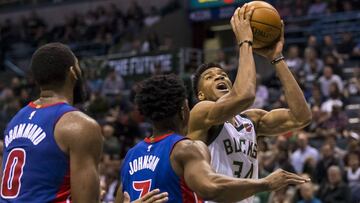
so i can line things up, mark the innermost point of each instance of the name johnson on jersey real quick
(143, 162)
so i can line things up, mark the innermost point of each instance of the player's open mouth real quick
(222, 87)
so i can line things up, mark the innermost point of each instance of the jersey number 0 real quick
(13, 171)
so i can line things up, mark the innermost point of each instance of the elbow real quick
(207, 192)
(247, 101)
(244, 95)
(306, 118)
(246, 98)
(212, 193)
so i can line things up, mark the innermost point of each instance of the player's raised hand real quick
(281, 178)
(274, 51)
(240, 23)
(151, 197)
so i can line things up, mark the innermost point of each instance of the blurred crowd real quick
(99, 31)
(327, 151)
(294, 8)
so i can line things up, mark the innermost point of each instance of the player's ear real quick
(185, 112)
(182, 113)
(73, 72)
(201, 96)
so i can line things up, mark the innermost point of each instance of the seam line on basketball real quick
(263, 41)
(265, 24)
(274, 10)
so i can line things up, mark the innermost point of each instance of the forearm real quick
(293, 93)
(245, 82)
(234, 189)
(85, 187)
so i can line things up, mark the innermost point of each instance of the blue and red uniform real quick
(34, 168)
(147, 166)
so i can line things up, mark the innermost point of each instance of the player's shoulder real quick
(189, 149)
(75, 127)
(79, 119)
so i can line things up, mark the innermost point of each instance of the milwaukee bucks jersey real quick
(233, 150)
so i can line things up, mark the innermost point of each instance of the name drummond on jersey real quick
(244, 146)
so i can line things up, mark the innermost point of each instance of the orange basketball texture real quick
(265, 24)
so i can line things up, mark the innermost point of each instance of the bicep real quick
(196, 168)
(85, 151)
(195, 174)
(277, 121)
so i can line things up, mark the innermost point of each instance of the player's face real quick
(79, 89)
(213, 84)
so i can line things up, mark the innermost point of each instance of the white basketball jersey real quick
(234, 151)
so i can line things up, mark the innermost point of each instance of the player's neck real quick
(166, 126)
(160, 131)
(54, 96)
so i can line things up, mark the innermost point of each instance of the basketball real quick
(265, 24)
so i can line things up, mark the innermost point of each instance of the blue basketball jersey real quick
(34, 168)
(147, 166)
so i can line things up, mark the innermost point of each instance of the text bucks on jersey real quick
(234, 149)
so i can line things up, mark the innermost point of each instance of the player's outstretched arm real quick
(154, 196)
(192, 160)
(241, 96)
(82, 138)
(297, 116)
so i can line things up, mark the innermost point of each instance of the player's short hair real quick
(202, 68)
(50, 63)
(160, 97)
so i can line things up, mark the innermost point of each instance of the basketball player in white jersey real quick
(221, 119)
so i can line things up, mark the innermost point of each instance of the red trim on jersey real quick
(172, 147)
(63, 194)
(33, 105)
(188, 195)
(157, 139)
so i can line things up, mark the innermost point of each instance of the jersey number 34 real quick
(238, 172)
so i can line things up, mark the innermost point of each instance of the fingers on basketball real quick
(249, 14)
(237, 19)
(282, 38)
(242, 12)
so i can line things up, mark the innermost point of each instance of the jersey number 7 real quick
(142, 186)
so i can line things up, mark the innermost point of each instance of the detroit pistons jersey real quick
(234, 149)
(34, 168)
(147, 166)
